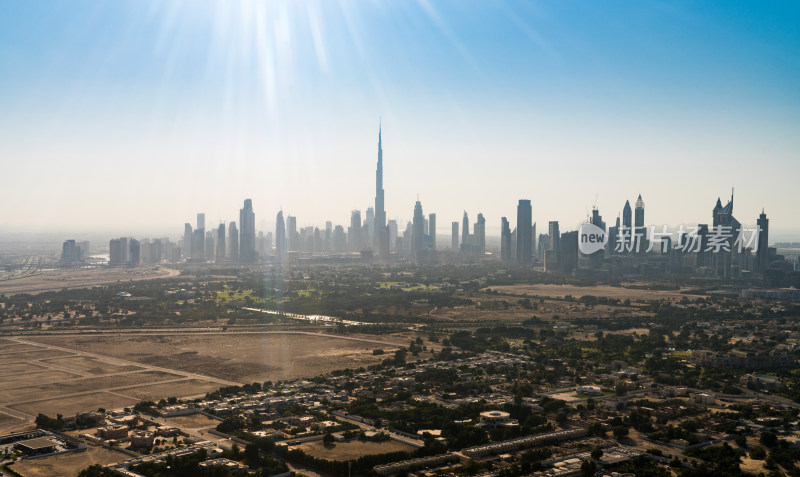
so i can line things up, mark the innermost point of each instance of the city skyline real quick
(568, 109)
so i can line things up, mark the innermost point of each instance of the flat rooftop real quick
(38, 443)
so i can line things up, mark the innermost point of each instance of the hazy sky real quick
(131, 116)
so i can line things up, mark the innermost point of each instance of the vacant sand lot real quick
(67, 465)
(343, 451)
(621, 293)
(55, 280)
(67, 374)
(242, 357)
(195, 421)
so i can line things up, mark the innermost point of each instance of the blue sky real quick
(131, 116)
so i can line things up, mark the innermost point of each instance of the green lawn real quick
(231, 294)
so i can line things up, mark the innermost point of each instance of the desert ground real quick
(65, 374)
(621, 293)
(68, 465)
(54, 280)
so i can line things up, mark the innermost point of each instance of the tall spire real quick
(381, 234)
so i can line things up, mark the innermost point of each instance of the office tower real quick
(533, 237)
(369, 224)
(280, 235)
(339, 239)
(454, 239)
(725, 224)
(210, 250)
(465, 232)
(292, 235)
(126, 250)
(221, 243)
(638, 224)
(115, 255)
(555, 236)
(418, 236)
(479, 246)
(233, 242)
(381, 240)
(524, 238)
(627, 228)
(391, 227)
(261, 244)
(568, 251)
(317, 240)
(144, 250)
(432, 230)
(597, 219)
(135, 252)
(513, 253)
(505, 239)
(268, 244)
(69, 252)
(247, 233)
(198, 242)
(762, 254)
(201, 226)
(327, 243)
(406, 241)
(354, 232)
(187, 240)
(543, 246)
(626, 216)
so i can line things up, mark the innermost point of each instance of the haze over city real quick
(126, 117)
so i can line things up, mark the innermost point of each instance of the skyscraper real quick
(201, 237)
(524, 231)
(454, 239)
(391, 228)
(221, 243)
(626, 216)
(480, 236)
(187, 240)
(369, 227)
(465, 232)
(638, 224)
(209, 241)
(626, 232)
(555, 236)
(292, 235)
(354, 232)
(380, 232)
(762, 254)
(418, 233)
(432, 230)
(280, 235)
(247, 232)
(135, 252)
(233, 241)
(505, 239)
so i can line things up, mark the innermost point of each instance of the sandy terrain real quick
(66, 374)
(185, 388)
(599, 290)
(69, 406)
(67, 465)
(343, 451)
(59, 279)
(195, 421)
(241, 357)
